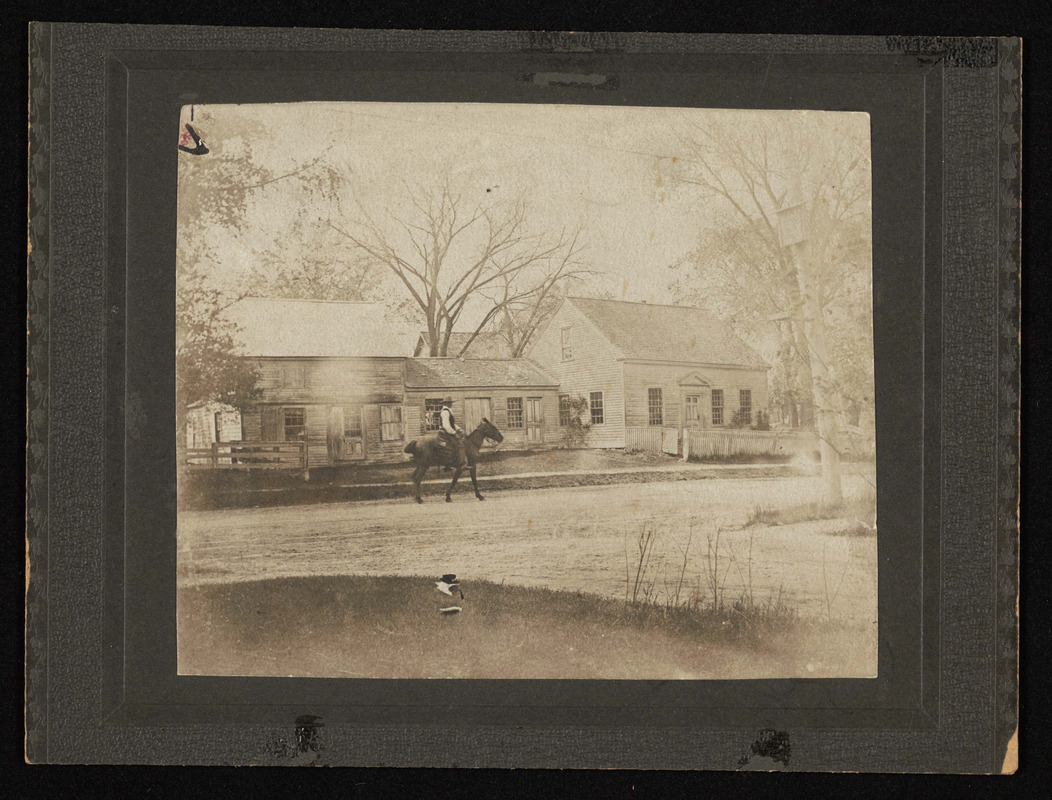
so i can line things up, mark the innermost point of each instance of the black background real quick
(741, 17)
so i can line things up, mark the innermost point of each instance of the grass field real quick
(391, 627)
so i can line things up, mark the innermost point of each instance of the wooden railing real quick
(248, 455)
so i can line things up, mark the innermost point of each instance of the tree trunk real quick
(820, 379)
(804, 378)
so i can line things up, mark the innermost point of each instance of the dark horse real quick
(431, 452)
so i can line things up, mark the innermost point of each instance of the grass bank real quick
(391, 627)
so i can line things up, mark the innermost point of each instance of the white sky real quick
(604, 167)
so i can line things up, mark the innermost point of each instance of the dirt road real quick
(579, 539)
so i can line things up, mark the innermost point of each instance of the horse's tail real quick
(410, 448)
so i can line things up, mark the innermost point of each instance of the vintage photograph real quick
(525, 391)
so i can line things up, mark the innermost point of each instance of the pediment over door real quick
(695, 379)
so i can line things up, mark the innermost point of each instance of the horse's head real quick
(489, 430)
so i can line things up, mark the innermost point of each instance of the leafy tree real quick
(316, 269)
(216, 190)
(740, 268)
(813, 295)
(208, 366)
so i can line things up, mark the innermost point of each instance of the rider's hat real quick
(447, 401)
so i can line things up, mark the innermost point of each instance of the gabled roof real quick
(452, 373)
(653, 332)
(278, 327)
(485, 345)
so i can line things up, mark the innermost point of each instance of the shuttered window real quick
(655, 407)
(390, 423)
(564, 410)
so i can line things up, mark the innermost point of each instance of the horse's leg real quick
(452, 486)
(418, 475)
(475, 483)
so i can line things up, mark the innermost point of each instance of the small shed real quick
(207, 423)
(516, 395)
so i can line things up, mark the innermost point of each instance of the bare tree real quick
(760, 172)
(459, 258)
(523, 312)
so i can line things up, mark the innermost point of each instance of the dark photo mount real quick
(101, 670)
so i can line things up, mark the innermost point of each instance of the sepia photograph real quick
(505, 391)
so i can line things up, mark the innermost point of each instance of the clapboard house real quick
(514, 394)
(649, 370)
(332, 374)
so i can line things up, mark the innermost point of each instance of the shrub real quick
(763, 422)
(576, 429)
(738, 420)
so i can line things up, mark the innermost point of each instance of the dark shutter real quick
(273, 424)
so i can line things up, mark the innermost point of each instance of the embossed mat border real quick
(77, 712)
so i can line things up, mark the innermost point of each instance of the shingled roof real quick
(484, 345)
(667, 333)
(453, 373)
(279, 327)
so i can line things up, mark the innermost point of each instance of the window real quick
(595, 404)
(564, 410)
(294, 375)
(218, 417)
(717, 406)
(295, 425)
(655, 407)
(432, 414)
(352, 422)
(514, 412)
(745, 406)
(693, 410)
(567, 346)
(390, 423)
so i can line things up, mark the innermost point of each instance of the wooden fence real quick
(718, 443)
(646, 439)
(736, 442)
(248, 455)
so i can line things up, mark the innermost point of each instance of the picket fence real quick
(720, 443)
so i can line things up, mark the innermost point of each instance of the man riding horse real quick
(452, 435)
(451, 448)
